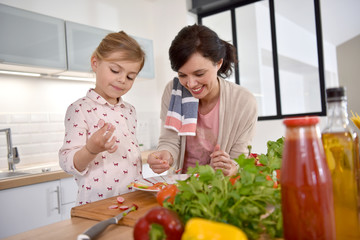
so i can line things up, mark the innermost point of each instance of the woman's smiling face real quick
(114, 78)
(199, 76)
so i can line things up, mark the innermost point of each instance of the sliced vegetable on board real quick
(124, 207)
(114, 207)
(155, 186)
(120, 200)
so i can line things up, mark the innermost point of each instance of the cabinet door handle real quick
(58, 192)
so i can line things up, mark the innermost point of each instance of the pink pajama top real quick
(109, 174)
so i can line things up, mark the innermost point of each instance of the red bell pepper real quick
(167, 219)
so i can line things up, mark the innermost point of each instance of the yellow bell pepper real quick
(202, 229)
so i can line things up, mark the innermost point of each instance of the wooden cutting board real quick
(99, 210)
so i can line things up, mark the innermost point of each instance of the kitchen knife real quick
(93, 231)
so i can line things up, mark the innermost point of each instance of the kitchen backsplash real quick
(38, 136)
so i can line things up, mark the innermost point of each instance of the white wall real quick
(349, 71)
(142, 18)
(272, 130)
(33, 105)
(27, 104)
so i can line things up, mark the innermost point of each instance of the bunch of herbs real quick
(252, 203)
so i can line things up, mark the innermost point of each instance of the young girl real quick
(100, 147)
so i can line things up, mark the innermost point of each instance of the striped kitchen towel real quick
(183, 111)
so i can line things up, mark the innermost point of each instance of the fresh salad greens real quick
(252, 202)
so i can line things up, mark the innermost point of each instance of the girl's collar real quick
(99, 99)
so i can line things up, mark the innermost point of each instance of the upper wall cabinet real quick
(81, 41)
(148, 70)
(31, 40)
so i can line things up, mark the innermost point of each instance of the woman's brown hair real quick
(203, 40)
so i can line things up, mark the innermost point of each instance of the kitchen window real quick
(279, 60)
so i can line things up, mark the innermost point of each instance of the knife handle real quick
(92, 232)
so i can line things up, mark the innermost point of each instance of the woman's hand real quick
(160, 161)
(100, 140)
(221, 160)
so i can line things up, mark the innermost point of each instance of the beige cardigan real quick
(238, 116)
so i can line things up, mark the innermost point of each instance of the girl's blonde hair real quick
(120, 42)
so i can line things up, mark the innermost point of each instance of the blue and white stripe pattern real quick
(183, 111)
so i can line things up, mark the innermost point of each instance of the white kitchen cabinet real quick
(68, 188)
(82, 40)
(28, 207)
(147, 45)
(31, 40)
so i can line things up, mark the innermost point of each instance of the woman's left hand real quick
(221, 160)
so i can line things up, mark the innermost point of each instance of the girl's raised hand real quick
(100, 140)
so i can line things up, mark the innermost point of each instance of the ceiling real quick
(340, 18)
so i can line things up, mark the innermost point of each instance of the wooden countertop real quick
(80, 222)
(82, 219)
(33, 178)
(71, 228)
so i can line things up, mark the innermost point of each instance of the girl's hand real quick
(160, 161)
(99, 141)
(221, 160)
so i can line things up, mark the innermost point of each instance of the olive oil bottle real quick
(341, 145)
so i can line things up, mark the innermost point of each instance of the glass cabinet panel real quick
(148, 70)
(31, 39)
(82, 40)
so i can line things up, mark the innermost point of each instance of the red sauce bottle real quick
(306, 186)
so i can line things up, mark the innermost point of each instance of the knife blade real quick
(95, 230)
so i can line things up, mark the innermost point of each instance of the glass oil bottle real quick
(341, 145)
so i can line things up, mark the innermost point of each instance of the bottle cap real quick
(301, 121)
(336, 94)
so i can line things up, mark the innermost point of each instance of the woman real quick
(226, 113)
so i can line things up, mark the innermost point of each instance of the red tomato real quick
(253, 155)
(167, 193)
(278, 174)
(276, 183)
(256, 159)
(233, 179)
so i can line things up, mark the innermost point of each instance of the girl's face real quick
(199, 76)
(114, 78)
